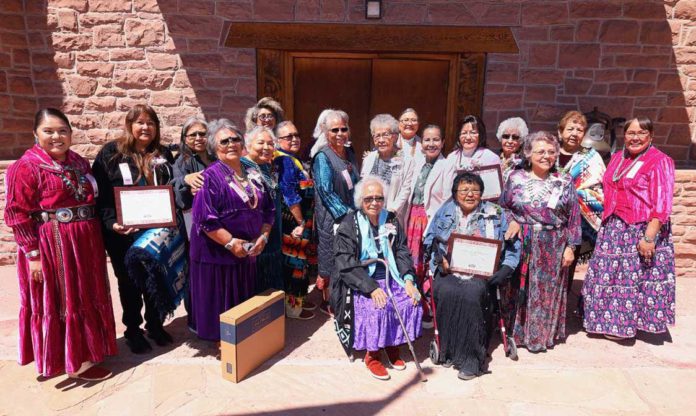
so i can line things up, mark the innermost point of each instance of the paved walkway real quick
(584, 376)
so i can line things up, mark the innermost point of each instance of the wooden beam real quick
(384, 38)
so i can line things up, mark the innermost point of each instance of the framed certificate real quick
(492, 178)
(145, 206)
(473, 255)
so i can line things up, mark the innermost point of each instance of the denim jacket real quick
(446, 221)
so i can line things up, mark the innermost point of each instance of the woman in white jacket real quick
(387, 163)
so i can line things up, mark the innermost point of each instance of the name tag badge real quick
(126, 173)
(634, 170)
(236, 188)
(93, 182)
(346, 176)
(553, 200)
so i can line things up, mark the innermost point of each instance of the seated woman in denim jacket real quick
(463, 311)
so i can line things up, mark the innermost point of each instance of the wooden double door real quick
(440, 87)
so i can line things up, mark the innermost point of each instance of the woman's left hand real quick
(568, 256)
(412, 292)
(297, 232)
(646, 250)
(259, 245)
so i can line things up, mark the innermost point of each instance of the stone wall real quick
(96, 58)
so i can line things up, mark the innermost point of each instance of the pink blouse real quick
(644, 192)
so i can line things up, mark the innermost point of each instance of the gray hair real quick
(384, 120)
(360, 188)
(268, 103)
(516, 123)
(190, 122)
(214, 128)
(252, 134)
(322, 126)
(283, 124)
(539, 136)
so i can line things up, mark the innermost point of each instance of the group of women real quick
(254, 214)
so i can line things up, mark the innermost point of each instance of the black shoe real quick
(465, 375)
(160, 336)
(447, 364)
(137, 343)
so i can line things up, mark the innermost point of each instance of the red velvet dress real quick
(68, 318)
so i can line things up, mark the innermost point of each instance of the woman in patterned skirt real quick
(544, 203)
(630, 283)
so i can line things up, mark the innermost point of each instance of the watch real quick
(228, 246)
(32, 255)
(648, 239)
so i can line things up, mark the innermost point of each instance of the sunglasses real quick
(510, 137)
(371, 199)
(290, 136)
(228, 140)
(266, 117)
(337, 129)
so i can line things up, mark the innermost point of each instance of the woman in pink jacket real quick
(630, 284)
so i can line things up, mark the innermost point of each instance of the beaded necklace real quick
(618, 173)
(66, 174)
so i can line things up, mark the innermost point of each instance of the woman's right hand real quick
(35, 270)
(379, 298)
(194, 181)
(123, 230)
(238, 248)
(513, 230)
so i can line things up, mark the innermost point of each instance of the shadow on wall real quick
(624, 58)
(223, 79)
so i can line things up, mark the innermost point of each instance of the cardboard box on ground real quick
(251, 333)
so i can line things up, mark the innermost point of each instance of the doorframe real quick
(465, 90)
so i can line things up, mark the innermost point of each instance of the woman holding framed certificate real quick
(137, 158)
(463, 304)
(232, 217)
(66, 320)
(544, 208)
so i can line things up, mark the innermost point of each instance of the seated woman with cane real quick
(365, 318)
(463, 304)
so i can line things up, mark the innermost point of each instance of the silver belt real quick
(65, 215)
(539, 227)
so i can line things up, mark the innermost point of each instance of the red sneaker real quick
(395, 359)
(375, 366)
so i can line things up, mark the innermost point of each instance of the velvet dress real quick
(68, 318)
(219, 279)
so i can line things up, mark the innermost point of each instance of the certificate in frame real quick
(492, 178)
(475, 256)
(145, 206)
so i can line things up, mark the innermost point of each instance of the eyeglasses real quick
(510, 137)
(371, 199)
(290, 136)
(197, 134)
(639, 134)
(409, 120)
(335, 130)
(230, 140)
(266, 117)
(464, 192)
(469, 133)
(387, 135)
(542, 153)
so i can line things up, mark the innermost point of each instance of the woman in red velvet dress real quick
(66, 321)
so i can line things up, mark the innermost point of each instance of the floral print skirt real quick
(623, 292)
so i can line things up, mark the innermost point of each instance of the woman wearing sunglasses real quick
(510, 134)
(193, 158)
(335, 174)
(232, 217)
(267, 113)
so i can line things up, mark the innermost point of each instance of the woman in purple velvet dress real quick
(232, 217)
